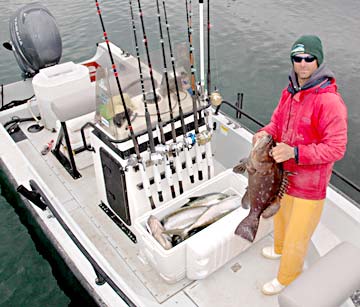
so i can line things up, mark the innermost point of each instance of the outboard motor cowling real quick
(35, 38)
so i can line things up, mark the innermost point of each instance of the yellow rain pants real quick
(294, 225)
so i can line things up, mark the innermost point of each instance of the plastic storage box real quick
(62, 83)
(207, 250)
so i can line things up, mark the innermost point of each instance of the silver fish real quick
(189, 212)
(206, 200)
(183, 217)
(211, 215)
(157, 231)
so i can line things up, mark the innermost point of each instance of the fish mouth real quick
(263, 142)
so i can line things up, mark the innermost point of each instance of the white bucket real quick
(54, 83)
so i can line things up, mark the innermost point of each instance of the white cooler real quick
(208, 250)
(62, 83)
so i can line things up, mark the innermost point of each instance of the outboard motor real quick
(35, 39)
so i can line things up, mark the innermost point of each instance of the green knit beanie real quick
(310, 44)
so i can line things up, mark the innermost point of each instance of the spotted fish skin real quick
(266, 184)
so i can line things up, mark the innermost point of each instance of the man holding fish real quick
(309, 126)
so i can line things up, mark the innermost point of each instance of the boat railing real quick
(239, 111)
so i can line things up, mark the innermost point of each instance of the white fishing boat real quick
(108, 153)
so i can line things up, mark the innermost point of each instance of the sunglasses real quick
(308, 59)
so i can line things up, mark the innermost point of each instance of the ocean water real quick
(21, 267)
(250, 54)
(31, 271)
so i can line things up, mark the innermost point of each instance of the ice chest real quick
(208, 250)
(62, 83)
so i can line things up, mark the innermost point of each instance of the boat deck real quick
(242, 277)
(236, 283)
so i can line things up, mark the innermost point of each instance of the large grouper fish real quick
(267, 182)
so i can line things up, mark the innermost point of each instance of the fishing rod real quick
(175, 150)
(208, 50)
(204, 137)
(162, 149)
(208, 133)
(202, 70)
(187, 141)
(154, 156)
(189, 32)
(198, 153)
(144, 177)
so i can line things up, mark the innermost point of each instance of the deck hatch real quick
(115, 185)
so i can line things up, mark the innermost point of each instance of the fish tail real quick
(248, 227)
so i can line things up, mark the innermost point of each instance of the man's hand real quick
(282, 152)
(259, 135)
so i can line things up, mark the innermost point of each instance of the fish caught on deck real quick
(197, 213)
(183, 217)
(189, 212)
(211, 215)
(266, 184)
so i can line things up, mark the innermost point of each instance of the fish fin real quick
(193, 198)
(241, 167)
(250, 167)
(190, 200)
(245, 201)
(284, 184)
(248, 227)
(271, 210)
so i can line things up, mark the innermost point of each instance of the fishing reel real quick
(162, 149)
(203, 137)
(215, 98)
(156, 158)
(131, 162)
(176, 147)
(189, 140)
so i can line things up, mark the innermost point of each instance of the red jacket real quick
(313, 119)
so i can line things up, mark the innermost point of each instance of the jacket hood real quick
(321, 74)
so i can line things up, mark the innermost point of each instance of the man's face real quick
(304, 69)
